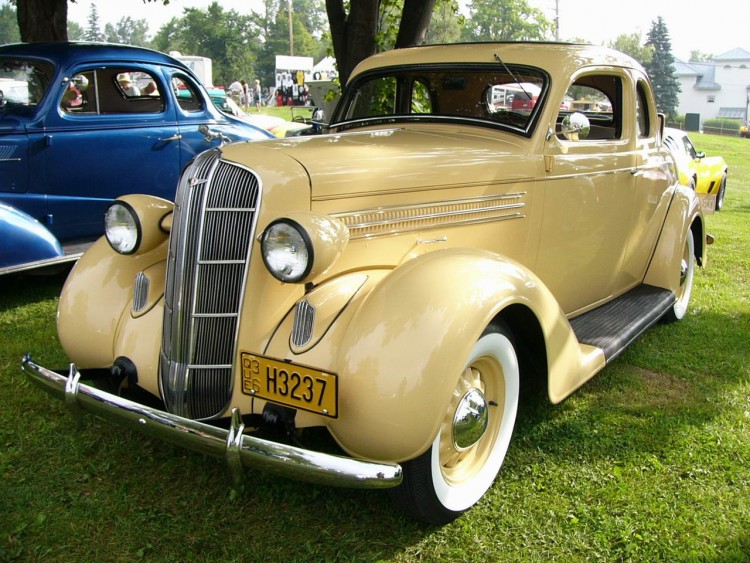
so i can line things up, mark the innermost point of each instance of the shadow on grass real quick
(25, 288)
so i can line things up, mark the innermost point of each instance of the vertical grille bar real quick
(209, 250)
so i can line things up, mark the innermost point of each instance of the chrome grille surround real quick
(209, 252)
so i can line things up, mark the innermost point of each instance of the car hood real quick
(398, 160)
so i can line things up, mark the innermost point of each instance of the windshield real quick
(506, 97)
(23, 83)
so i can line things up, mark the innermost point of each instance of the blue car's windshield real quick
(23, 84)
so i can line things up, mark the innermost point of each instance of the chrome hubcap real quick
(470, 420)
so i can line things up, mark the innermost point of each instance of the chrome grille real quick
(209, 249)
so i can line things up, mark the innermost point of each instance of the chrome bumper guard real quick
(240, 451)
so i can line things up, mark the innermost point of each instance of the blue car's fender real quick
(24, 240)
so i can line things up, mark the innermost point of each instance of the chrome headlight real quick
(287, 250)
(122, 228)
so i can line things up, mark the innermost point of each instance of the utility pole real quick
(557, 20)
(291, 32)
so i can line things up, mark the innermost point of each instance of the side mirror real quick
(575, 127)
(700, 154)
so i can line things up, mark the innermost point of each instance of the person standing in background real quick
(257, 95)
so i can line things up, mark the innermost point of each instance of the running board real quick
(614, 326)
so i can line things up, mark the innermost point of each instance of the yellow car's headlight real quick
(287, 250)
(302, 245)
(122, 228)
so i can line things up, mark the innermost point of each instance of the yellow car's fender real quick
(99, 289)
(408, 342)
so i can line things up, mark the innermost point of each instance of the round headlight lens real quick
(122, 228)
(287, 250)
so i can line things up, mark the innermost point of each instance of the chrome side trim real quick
(302, 326)
(381, 221)
(140, 292)
(241, 451)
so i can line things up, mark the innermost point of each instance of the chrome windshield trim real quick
(241, 451)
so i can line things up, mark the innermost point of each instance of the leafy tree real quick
(446, 24)
(507, 20)
(8, 25)
(93, 30)
(697, 56)
(661, 68)
(632, 44)
(229, 39)
(277, 42)
(75, 32)
(127, 31)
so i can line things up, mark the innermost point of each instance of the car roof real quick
(65, 53)
(552, 56)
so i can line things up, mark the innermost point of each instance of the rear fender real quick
(683, 219)
(407, 343)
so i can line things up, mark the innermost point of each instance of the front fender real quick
(26, 239)
(95, 296)
(408, 342)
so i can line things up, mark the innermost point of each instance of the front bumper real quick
(240, 451)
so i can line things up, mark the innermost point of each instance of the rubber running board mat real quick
(614, 326)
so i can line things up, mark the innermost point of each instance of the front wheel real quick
(687, 271)
(466, 455)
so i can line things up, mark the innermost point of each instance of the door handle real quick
(175, 137)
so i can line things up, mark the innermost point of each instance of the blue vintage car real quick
(81, 124)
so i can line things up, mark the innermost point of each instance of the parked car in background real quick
(395, 282)
(707, 175)
(745, 131)
(81, 124)
(277, 126)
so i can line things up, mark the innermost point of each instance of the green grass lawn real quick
(648, 462)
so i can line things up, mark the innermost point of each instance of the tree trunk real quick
(415, 19)
(42, 20)
(353, 36)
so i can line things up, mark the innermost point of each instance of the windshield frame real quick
(405, 76)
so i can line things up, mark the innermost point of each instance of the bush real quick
(722, 125)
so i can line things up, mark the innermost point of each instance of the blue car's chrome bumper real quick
(241, 451)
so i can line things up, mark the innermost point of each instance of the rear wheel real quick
(465, 457)
(720, 194)
(687, 270)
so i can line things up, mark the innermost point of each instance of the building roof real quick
(737, 54)
(705, 74)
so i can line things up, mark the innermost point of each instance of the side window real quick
(80, 94)
(599, 97)
(112, 91)
(375, 98)
(186, 94)
(420, 98)
(642, 110)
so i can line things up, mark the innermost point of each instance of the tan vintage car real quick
(395, 281)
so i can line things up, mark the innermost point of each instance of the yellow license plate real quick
(291, 385)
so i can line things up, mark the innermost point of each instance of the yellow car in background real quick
(745, 131)
(707, 175)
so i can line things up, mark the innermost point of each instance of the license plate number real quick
(291, 385)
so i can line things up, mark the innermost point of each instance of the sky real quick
(717, 27)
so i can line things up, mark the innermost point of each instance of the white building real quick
(718, 88)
